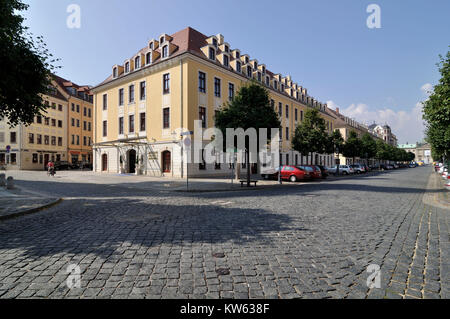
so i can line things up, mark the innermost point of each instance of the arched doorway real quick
(104, 162)
(131, 161)
(166, 161)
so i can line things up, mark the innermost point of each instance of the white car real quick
(444, 173)
(343, 169)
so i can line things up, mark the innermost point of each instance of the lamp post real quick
(338, 162)
(280, 166)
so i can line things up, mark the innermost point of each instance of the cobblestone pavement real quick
(310, 241)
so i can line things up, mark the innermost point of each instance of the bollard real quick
(10, 183)
(2, 180)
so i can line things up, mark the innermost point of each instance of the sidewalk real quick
(16, 202)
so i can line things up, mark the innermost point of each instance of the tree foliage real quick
(310, 136)
(25, 65)
(352, 147)
(436, 112)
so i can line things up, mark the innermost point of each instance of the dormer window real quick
(148, 58)
(292, 93)
(282, 87)
(249, 71)
(161, 40)
(238, 67)
(267, 81)
(127, 67)
(114, 72)
(165, 51)
(237, 55)
(255, 65)
(275, 85)
(137, 62)
(246, 60)
(212, 54)
(259, 76)
(225, 60)
(150, 46)
(264, 70)
(226, 48)
(215, 42)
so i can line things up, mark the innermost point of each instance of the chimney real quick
(337, 110)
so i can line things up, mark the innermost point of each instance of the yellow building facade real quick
(151, 98)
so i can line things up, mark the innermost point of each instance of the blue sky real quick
(370, 74)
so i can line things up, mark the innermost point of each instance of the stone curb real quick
(31, 210)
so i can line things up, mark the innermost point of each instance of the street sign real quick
(8, 148)
(187, 133)
(338, 161)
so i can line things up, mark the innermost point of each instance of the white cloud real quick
(427, 89)
(407, 125)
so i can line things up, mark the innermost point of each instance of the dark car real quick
(85, 165)
(324, 171)
(317, 173)
(62, 165)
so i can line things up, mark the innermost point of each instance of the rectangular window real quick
(142, 122)
(39, 139)
(131, 123)
(120, 96)
(166, 83)
(296, 114)
(73, 107)
(202, 115)
(166, 118)
(13, 158)
(13, 137)
(84, 125)
(60, 107)
(226, 60)
(31, 138)
(84, 111)
(89, 112)
(46, 139)
(131, 93)
(78, 139)
(301, 116)
(59, 141)
(78, 108)
(238, 67)
(47, 121)
(39, 119)
(105, 102)
(53, 122)
(212, 54)
(280, 109)
(217, 87)
(73, 139)
(73, 121)
(54, 140)
(287, 111)
(202, 82)
(230, 91)
(89, 126)
(60, 123)
(84, 140)
(78, 123)
(287, 133)
(105, 128)
(35, 158)
(142, 90)
(120, 125)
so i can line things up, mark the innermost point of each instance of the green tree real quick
(382, 151)
(334, 142)
(250, 108)
(310, 135)
(436, 112)
(25, 64)
(368, 147)
(352, 147)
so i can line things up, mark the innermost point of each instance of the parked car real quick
(358, 168)
(86, 165)
(447, 184)
(389, 167)
(343, 169)
(62, 165)
(323, 170)
(291, 173)
(444, 173)
(316, 171)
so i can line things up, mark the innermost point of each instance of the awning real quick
(125, 141)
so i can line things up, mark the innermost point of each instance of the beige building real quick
(153, 96)
(422, 151)
(385, 132)
(31, 147)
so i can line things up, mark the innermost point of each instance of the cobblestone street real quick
(312, 240)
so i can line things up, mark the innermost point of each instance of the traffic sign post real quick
(186, 144)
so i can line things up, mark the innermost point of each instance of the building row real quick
(64, 133)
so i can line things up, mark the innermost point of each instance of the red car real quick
(291, 173)
(316, 173)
